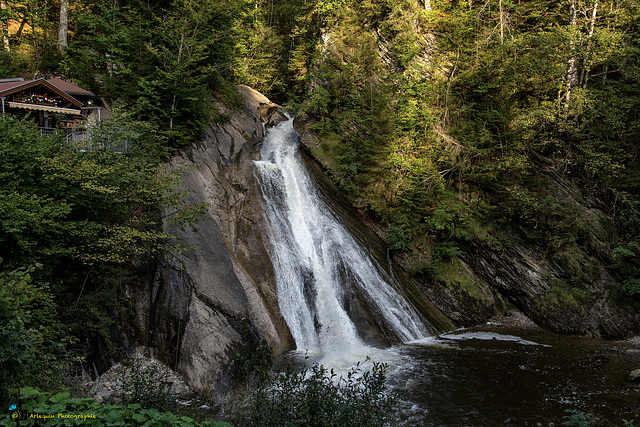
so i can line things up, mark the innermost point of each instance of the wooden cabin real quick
(55, 104)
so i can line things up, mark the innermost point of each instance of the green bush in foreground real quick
(32, 341)
(148, 387)
(48, 409)
(576, 418)
(315, 397)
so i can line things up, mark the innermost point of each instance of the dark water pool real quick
(492, 376)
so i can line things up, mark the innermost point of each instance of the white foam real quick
(488, 336)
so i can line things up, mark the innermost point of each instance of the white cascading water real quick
(313, 255)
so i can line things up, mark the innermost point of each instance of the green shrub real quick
(626, 260)
(33, 347)
(254, 361)
(575, 418)
(316, 397)
(148, 387)
(64, 409)
(447, 251)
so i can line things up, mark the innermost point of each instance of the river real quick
(499, 376)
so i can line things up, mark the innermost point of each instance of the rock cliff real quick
(217, 298)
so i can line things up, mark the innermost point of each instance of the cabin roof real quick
(63, 88)
(69, 87)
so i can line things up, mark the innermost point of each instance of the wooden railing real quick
(81, 139)
(50, 131)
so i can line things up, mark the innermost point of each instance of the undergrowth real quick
(318, 397)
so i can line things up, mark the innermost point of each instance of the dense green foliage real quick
(317, 397)
(516, 111)
(452, 123)
(33, 343)
(88, 220)
(148, 387)
(60, 203)
(57, 409)
(161, 60)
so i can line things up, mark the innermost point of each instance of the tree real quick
(584, 74)
(163, 60)
(64, 26)
(180, 48)
(4, 23)
(91, 218)
(61, 205)
(572, 68)
(32, 341)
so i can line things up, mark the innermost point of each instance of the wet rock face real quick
(571, 291)
(370, 325)
(218, 297)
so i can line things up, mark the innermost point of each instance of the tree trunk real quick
(584, 75)
(501, 23)
(64, 25)
(5, 28)
(19, 32)
(572, 69)
(175, 86)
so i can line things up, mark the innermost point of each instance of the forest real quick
(436, 118)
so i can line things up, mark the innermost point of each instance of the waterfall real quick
(317, 262)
